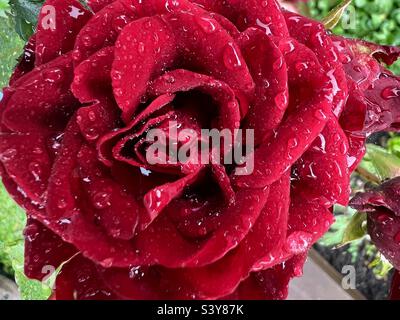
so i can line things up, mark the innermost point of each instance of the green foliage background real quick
(375, 20)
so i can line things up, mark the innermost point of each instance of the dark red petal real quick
(271, 284)
(267, 15)
(384, 229)
(395, 290)
(386, 195)
(106, 144)
(42, 101)
(79, 280)
(64, 182)
(267, 65)
(309, 220)
(98, 119)
(102, 30)
(59, 22)
(210, 50)
(262, 248)
(323, 169)
(314, 35)
(44, 250)
(92, 79)
(183, 80)
(26, 161)
(117, 211)
(163, 242)
(310, 108)
(160, 197)
(136, 62)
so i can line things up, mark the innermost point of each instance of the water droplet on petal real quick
(101, 200)
(87, 40)
(231, 57)
(62, 203)
(35, 170)
(206, 24)
(390, 93)
(141, 47)
(293, 143)
(53, 75)
(320, 115)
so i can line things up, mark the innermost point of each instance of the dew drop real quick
(8, 155)
(390, 93)
(293, 143)
(87, 40)
(320, 115)
(35, 170)
(278, 63)
(92, 116)
(281, 100)
(62, 203)
(136, 273)
(91, 134)
(141, 47)
(231, 57)
(101, 200)
(53, 75)
(206, 24)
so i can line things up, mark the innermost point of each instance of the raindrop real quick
(136, 273)
(92, 116)
(62, 203)
(169, 78)
(101, 200)
(278, 63)
(87, 40)
(35, 170)
(293, 143)
(320, 115)
(281, 100)
(53, 75)
(8, 155)
(231, 57)
(91, 134)
(390, 93)
(141, 47)
(206, 24)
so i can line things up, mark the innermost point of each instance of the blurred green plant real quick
(11, 47)
(373, 20)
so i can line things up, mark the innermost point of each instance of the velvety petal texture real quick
(74, 145)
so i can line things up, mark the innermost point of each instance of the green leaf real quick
(333, 18)
(379, 163)
(11, 48)
(26, 9)
(25, 14)
(380, 266)
(335, 234)
(356, 229)
(4, 8)
(393, 145)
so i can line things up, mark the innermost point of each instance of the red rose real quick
(89, 87)
(382, 205)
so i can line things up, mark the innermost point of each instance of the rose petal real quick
(42, 101)
(44, 251)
